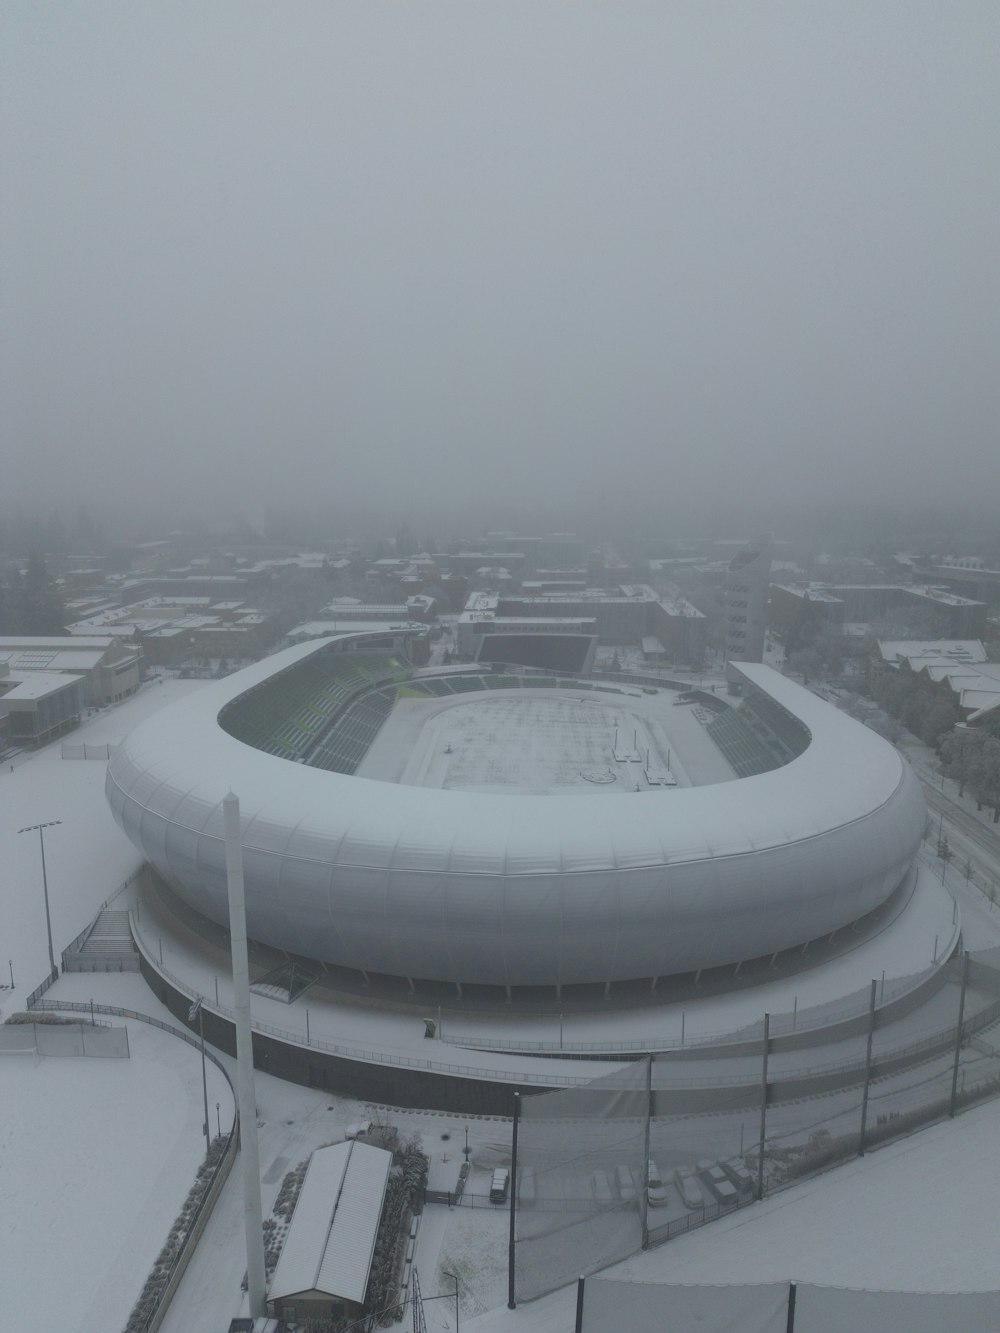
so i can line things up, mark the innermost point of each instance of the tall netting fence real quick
(668, 1143)
(610, 1306)
(82, 750)
(577, 1210)
(65, 1039)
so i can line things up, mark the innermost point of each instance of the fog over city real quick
(637, 260)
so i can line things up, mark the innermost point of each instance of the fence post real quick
(645, 1159)
(763, 1109)
(868, 1068)
(578, 1325)
(958, 1034)
(790, 1321)
(511, 1302)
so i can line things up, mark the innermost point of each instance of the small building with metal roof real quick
(327, 1256)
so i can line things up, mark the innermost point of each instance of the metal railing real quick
(812, 1019)
(851, 1066)
(696, 1218)
(366, 1054)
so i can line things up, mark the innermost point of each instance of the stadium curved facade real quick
(513, 890)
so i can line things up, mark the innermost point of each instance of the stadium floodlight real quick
(30, 828)
(196, 1012)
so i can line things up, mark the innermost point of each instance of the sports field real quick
(544, 743)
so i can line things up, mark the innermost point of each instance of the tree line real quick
(30, 603)
(972, 758)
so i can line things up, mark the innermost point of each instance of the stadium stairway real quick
(106, 947)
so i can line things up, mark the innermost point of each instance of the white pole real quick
(252, 1219)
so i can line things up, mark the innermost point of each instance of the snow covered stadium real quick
(483, 828)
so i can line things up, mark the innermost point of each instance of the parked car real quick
(690, 1191)
(499, 1185)
(656, 1189)
(719, 1184)
(625, 1183)
(740, 1174)
(600, 1189)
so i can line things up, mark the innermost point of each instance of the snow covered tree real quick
(959, 749)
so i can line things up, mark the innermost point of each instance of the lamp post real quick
(196, 1012)
(455, 1280)
(30, 828)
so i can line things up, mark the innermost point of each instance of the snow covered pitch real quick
(523, 741)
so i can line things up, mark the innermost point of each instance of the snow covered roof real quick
(932, 652)
(33, 685)
(331, 1239)
(353, 624)
(962, 664)
(55, 643)
(51, 659)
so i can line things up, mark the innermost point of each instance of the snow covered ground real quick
(96, 1155)
(86, 856)
(919, 1214)
(544, 741)
(96, 1158)
(541, 744)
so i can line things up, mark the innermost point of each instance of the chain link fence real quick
(660, 1146)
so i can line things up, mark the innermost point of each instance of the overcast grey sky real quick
(387, 254)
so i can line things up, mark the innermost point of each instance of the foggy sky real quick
(412, 257)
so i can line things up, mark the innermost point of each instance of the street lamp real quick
(196, 1012)
(455, 1280)
(54, 971)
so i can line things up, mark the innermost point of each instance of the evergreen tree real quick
(39, 607)
(6, 613)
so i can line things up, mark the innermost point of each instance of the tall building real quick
(747, 582)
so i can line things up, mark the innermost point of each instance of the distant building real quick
(747, 583)
(173, 630)
(794, 604)
(38, 706)
(108, 669)
(959, 666)
(622, 615)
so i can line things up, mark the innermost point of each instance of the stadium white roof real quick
(845, 772)
(521, 888)
(331, 1239)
